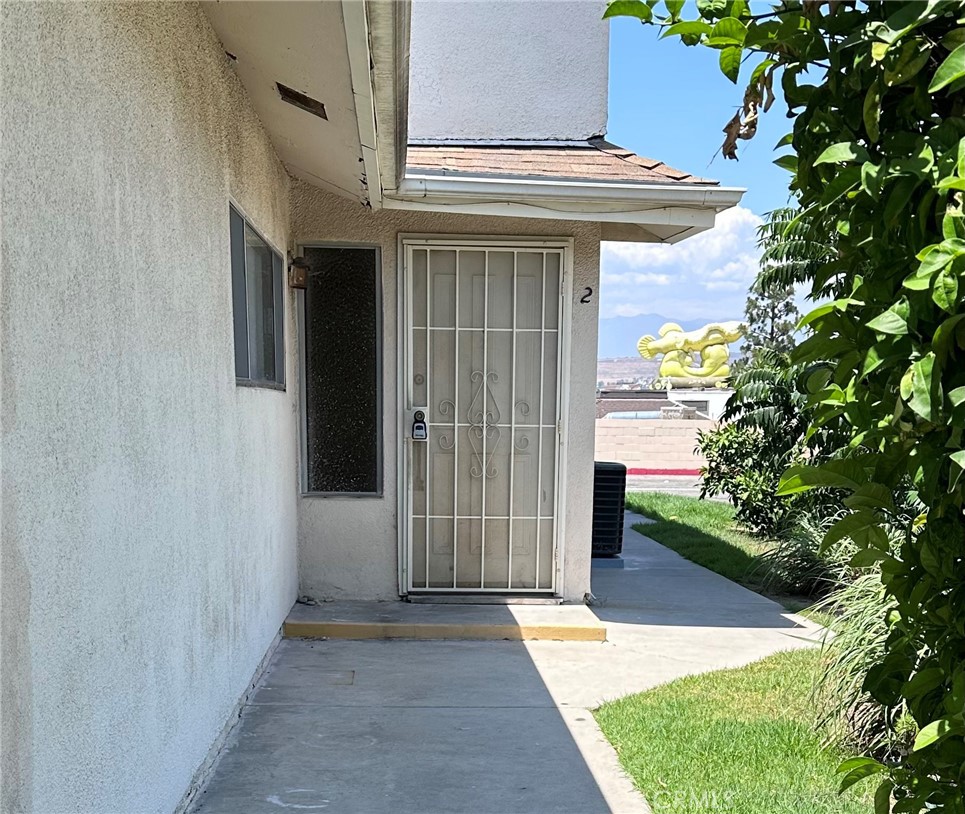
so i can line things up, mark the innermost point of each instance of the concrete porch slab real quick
(404, 620)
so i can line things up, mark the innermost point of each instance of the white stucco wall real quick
(348, 547)
(508, 69)
(148, 503)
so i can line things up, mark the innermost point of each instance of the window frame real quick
(301, 323)
(240, 306)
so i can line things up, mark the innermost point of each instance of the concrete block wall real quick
(652, 445)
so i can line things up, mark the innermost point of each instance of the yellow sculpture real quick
(678, 368)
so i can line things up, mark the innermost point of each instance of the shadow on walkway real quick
(659, 587)
(487, 727)
(402, 726)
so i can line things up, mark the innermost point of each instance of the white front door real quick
(483, 363)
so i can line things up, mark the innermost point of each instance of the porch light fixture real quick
(298, 272)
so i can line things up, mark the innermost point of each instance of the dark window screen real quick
(342, 370)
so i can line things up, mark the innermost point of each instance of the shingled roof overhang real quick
(632, 197)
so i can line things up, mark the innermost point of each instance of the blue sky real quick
(670, 102)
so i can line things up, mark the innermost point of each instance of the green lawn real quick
(739, 741)
(704, 532)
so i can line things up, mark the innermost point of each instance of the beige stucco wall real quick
(508, 69)
(148, 503)
(348, 547)
(655, 444)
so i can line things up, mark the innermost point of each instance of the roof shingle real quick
(598, 160)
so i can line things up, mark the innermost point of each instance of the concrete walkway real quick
(433, 727)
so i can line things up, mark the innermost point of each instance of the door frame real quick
(463, 241)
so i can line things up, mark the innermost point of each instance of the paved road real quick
(673, 484)
(486, 727)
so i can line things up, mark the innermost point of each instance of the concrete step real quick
(405, 620)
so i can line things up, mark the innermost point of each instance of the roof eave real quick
(692, 207)
(363, 91)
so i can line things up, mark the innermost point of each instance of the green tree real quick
(877, 163)
(771, 318)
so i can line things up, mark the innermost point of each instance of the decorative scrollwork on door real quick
(483, 416)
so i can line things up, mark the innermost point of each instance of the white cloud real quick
(705, 276)
(636, 278)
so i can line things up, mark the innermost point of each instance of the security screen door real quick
(483, 362)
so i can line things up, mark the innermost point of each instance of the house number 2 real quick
(586, 297)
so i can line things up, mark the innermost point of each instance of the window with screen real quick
(342, 348)
(257, 285)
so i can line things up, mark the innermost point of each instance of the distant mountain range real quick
(619, 335)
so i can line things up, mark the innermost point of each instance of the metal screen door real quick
(483, 362)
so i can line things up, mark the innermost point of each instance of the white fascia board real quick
(360, 61)
(664, 204)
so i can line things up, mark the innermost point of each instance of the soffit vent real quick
(300, 100)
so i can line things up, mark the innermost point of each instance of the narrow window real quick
(343, 417)
(258, 305)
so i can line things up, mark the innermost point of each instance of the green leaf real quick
(846, 179)
(787, 162)
(945, 291)
(912, 57)
(871, 496)
(890, 322)
(842, 152)
(923, 682)
(898, 199)
(956, 396)
(951, 69)
(908, 18)
(871, 175)
(730, 62)
(953, 225)
(871, 111)
(674, 7)
(866, 558)
(687, 27)
(729, 31)
(710, 9)
(858, 768)
(841, 474)
(936, 731)
(933, 258)
(958, 466)
(883, 797)
(953, 39)
(923, 387)
(760, 70)
(854, 526)
(816, 313)
(917, 165)
(629, 8)
(945, 334)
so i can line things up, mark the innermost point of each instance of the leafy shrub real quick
(733, 469)
(877, 157)
(764, 432)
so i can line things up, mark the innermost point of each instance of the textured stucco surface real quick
(507, 69)
(148, 503)
(348, 547)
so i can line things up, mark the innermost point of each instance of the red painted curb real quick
(663, 471)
